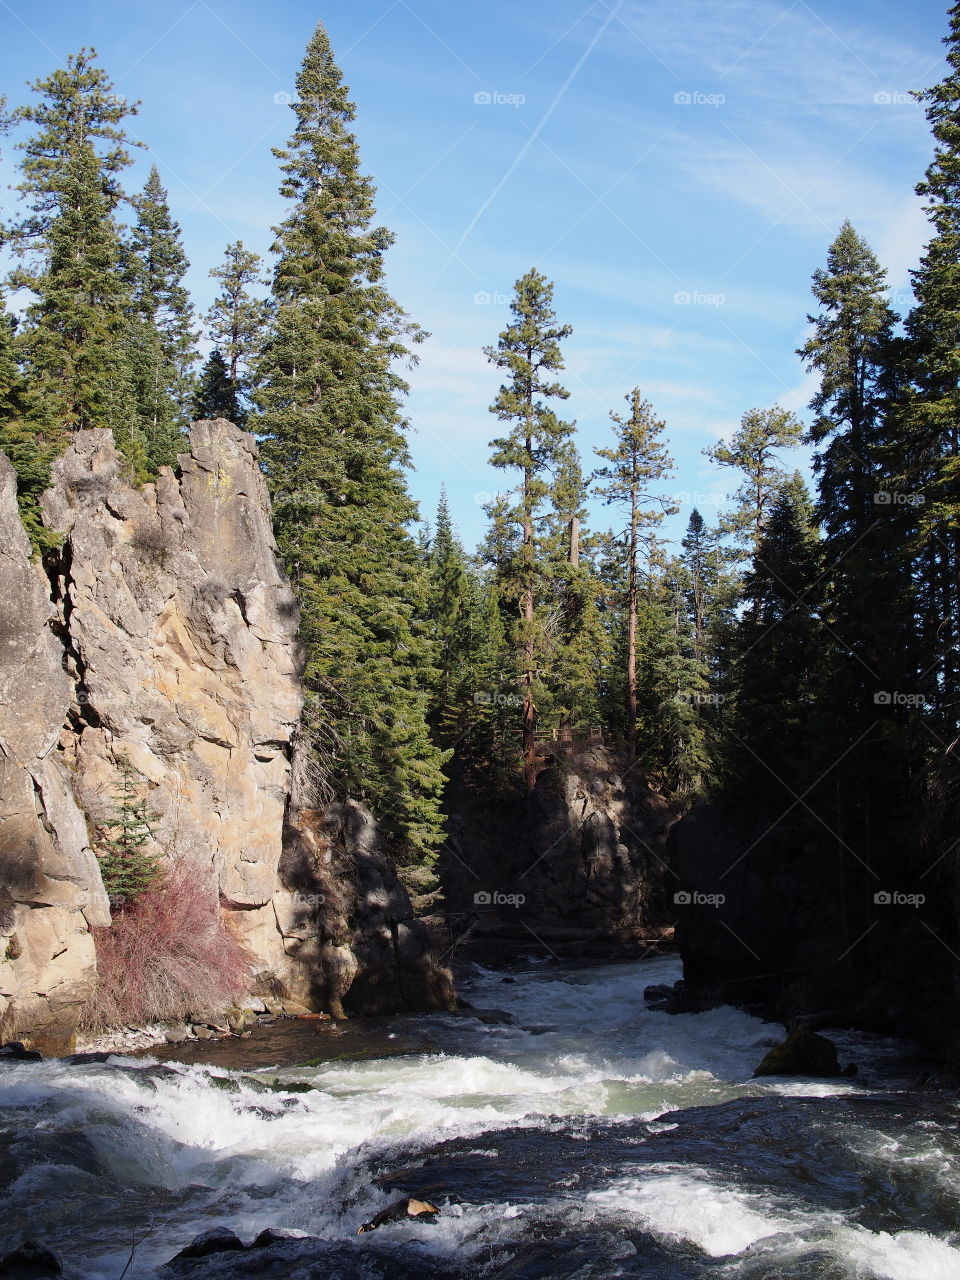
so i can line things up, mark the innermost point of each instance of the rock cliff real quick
(167, 634)
(577, 867)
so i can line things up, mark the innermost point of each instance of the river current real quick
(578, 1134)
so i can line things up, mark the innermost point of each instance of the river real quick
(580, 1135)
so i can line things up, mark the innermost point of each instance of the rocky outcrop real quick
(166, 636)
(576, 865)
(182, 643)
(347, 919)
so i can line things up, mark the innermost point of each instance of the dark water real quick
(582, 1135)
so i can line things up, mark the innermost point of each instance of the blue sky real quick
(678, 169)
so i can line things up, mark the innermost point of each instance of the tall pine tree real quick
(638, 462)
(335, 452)
(529, 350)
(74, 343)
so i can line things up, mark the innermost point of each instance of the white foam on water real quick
(904, 1255)
(679, 1203)
(682, 1204)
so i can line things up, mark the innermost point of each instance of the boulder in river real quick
(216, 1240)
(16, 1051)
(803, 1053)
(31, 1261)
(400, 1211)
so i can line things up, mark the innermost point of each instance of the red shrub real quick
(166, 955)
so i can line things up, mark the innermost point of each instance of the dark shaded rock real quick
(216, 1240)
(803, 1053)
(658, 994)
(494, 1017)
(17, 1052)
(348, 919)
(31, 1261)
(579, 862)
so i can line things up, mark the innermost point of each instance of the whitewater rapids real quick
(585, 1136)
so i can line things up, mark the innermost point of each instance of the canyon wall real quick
(576, 868)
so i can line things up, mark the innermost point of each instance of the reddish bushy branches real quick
(166, 955)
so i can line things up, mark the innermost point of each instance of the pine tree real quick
(576, 642)
(236, 323)
(675, 733)
(712, 589)
(529, 349)
(754, 450)
(30, 449)
(127, 867)
(335, 452)
(218, 396)
(74, 343)
(639, 461)
(782, 654)
(164, 341)
(449, 616)
(852, 348)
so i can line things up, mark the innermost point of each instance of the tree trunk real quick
(529, 648)
(632, 635)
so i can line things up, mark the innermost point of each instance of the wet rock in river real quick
(14, 1051)
(31, 1261)
(275, 1235)
(400, 1211)
(803, 1053)
(216, 1240)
